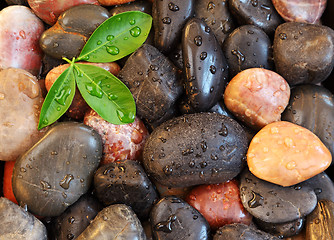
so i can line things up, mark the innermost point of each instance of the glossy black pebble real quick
(322, 185)
(281, 230)
(57, 170)
(125, 182)
(71, 223)
(204, 66)
(260, 13)
(239, 231)
(303, 53)
(217, 16)
(139, 5)
(68, 36)
(169, 18)
(153, 81)
(114, 222)
(273, 203)
(319, 224)
(172, 218)
(247, 47)
(312, 107)
(193, 149)
(17, 223)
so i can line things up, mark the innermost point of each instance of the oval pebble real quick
(303, 53)
(200, 148)
(272, 203)
(56, 171)
(20, 104)
(257, 97)
(172, 217)
(286, 154)
(125, 182)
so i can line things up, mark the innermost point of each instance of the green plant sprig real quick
(114, 39)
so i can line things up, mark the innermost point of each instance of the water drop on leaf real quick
(110, 37)
(135, 32)
(63, 95)
(112, 50)
(132, 22)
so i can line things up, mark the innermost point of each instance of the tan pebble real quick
(296, 154)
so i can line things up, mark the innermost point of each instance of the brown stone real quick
(286, 154)
(257, 96)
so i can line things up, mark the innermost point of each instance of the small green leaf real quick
(117, 37)
(58, 99)
(105, 93)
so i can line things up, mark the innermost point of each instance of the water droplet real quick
(112, 50)
(291, 165)
(110, 37)
(256, 201)
(70, 236)
(298, 187)
(317, 221)
(282, 36)
(288, 142)
(239, 55)
(93, 89)
(248, 112)
(112, 97)
(45, 185)
(211, 6)
(207, 29)
(22, 169)
(173, 7)
(124, 117)
(165, 226)
(64, 195)
(166, 20)
(99, 42)
(154, 67)
(65, 182)
(203, 55)
(55, 45)
(214, 157)
(187, 151)
(71, 220)
(167, 170)
(2, 96)
(62, 95)
(254, 3)
(211, 89)
(126, 38)
(317, 191)
(118, 19)
(163, 139)
(223, 131)
(203, 164)
(132, 22)
(191, 164)
(213, 69)
(198, 40)
(135, 32)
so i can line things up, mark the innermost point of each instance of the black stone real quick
(204, 66)
(193, 149)
(273, 203)
(303, 53)
(237, 231)
(217, 16)
(172, 218)
(248, 47)
(153, 81)
(58, 169)
(125, 182)
(169, 18)
(114, 222)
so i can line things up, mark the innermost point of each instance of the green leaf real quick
(105, 93)
(117, 37)
(58, 99)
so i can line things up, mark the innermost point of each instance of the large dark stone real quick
(58, 169)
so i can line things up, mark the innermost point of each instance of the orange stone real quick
(257, 96)
(286, 154)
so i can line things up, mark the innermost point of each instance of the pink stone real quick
(306, 11)
(20, 30)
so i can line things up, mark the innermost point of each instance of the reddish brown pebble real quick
(257, 96)
(305, 11)
(286, 154)
(78, 107)
(120, 142)
(219, 204)
(113, 2)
